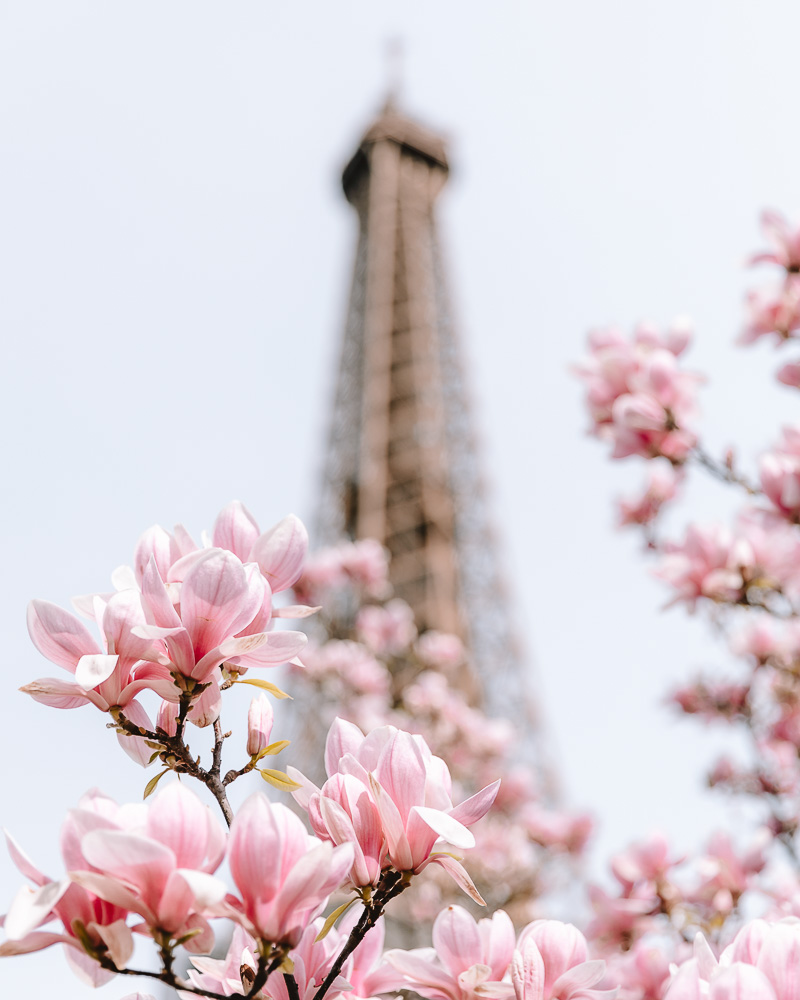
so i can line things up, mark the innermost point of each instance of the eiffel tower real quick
(402, 464)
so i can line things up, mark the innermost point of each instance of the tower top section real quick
(391, 126)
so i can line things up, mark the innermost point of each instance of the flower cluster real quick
(368, 665)
(548, 960)
(389, 797)
(184, 622)
(637, 395)
(379, 818)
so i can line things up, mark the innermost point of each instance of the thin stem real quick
(392, 883)
(171, 980)
(291, 986)
(724, 472)
(167, 976)
(177, 755)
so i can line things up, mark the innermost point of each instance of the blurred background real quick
(175, 256)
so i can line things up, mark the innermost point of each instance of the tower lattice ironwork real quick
(402, 464)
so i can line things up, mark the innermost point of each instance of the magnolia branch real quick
(724, 472)
(178, 757)
(267, 964)
(392, 883)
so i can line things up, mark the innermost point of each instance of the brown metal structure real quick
(401, 463)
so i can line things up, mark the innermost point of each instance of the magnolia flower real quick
(465, 956)
(551, 962)
(389, 797)
(102, 925)
(163, 869)
(221, 599)
(283, 874)
(785, 242)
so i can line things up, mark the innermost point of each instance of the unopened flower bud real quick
(259, 725)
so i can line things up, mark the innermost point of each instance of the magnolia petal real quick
(118, 938)
(24, 864)
(199, 937)
(124, 578)
(476, 806)
(281, 551)
(136, 747)
(84, 604)
(113, 892)
(56, 693)
(86, 968)
(393, 827)
(94, 669)
(207, 889)
(579, 977)
(446, 827)
(59, 635)
(343, 738)
(307, 787)
(34, 941)
(422, 970)
(205, 710)
(279, 647)
(527, 972)
(32, 907)
(235, 529)
(457, 940)
(459, 875)
(138, 861)
(295, 611)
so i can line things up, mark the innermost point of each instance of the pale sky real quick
(175, 254)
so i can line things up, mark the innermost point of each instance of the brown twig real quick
(391, 884)
(178, 757)
(724, 472)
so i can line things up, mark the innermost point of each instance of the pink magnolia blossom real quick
(278, 552)
(705, 564)
(103, 922)
(361, 565)
(619, 921)
(226, 975)
(107, 676)
(642, 972)
(388, 795)
(785, 242)
(369, 972)
(465, 956)
(761, 963)
(440, 650)
(387, 630)
(789, 374)
(283, 874)
(161, 869)
(780, 474)
(726, 872)
(637, 395)
(551, 961)
(556, 830)
(774, 310)
(312, 960)
(224, 611)
(762, 551)
(346, 667)
(662, 486)
(647, 861)
(738, 981)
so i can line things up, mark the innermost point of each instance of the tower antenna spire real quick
(394, 55)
